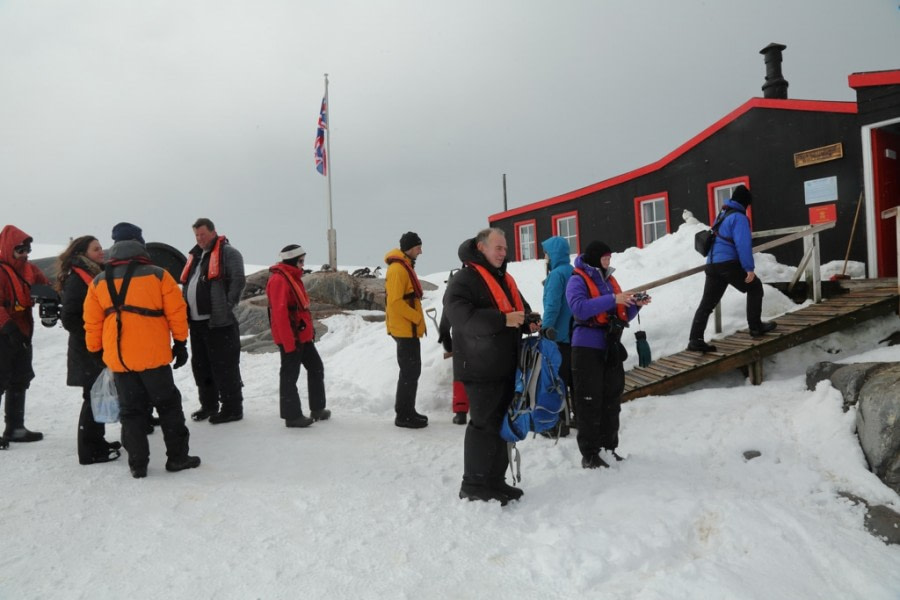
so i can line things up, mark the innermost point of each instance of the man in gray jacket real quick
(213, 280)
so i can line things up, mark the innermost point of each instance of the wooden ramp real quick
(864, 300)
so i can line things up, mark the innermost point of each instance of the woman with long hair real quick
(78, 265)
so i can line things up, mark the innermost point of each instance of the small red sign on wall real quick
(824, 213)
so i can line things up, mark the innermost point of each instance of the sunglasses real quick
(23, 249)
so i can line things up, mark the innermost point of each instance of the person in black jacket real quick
(78, 265)
(213, 281)
(487, 316)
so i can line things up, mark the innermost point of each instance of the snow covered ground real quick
(357, 508)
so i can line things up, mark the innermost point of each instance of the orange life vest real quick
(603, 318)
(299, 291)
(86, 277)
(215, 262)
(500, 297)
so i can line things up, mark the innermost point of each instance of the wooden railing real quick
(895, 214)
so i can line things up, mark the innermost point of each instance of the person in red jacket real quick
(292, 331)
(16, 330)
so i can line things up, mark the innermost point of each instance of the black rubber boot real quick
(15, 419)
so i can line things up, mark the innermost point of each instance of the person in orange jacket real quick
(405, 322)
(16, 330)
(132, 312)
(293, 332)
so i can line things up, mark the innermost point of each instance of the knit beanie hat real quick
(291, 254)
(594, 252)
(409, 240)
(742, 196)
(126, 231)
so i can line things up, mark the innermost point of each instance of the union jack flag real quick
(321, 155)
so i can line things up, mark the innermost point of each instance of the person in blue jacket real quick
(557, 314)
(730, 262)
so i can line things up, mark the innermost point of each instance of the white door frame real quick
(869, 186)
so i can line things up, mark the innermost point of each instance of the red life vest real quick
(603, 318)
(500, 297)
(413, 278)
(215, 262)
(21, 290)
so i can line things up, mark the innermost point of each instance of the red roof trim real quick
(874, 78)
(771, 103)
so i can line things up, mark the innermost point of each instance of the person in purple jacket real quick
(600, 310)
(730, 262)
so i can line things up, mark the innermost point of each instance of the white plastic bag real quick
(104, 398)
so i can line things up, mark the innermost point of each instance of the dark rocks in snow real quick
(875, 389)
(751, 454)
(881, 521)
(330, 293)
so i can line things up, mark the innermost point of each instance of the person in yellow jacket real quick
(405, 322)
(132, 311)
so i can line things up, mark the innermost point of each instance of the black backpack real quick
(703, 240)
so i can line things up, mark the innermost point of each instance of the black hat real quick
(594, 252)
(126, 231)
(409, 240)
(742, 196)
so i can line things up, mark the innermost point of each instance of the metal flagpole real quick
(332, 234)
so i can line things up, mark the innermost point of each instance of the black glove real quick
(179, 351)
(15, 335)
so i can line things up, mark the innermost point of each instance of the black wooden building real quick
(806, 161)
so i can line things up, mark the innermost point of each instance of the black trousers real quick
(599, 382)
(484, 452)
(15, 377)
(718, 277)
(289, 396)
(138, 392)
(565, 366)
(409, 358)
(216, 363)
(91, 434)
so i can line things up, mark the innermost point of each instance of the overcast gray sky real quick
(158, 112)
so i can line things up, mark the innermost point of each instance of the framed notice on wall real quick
(820, 190)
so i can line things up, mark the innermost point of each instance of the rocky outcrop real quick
(330, 293)
(875, 389)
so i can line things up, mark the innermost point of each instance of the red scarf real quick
(500, 297)
(413, 278)
(215, 262)
(298, 288)
(603, 318)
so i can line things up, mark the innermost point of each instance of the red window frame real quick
(711, 196)
(556, 218)
(638, 222)
(516, 226)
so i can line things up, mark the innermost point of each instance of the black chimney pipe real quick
(775, 85)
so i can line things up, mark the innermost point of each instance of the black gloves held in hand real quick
(15, 335)
(180, 353)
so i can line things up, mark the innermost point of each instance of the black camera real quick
(532, 318)
(48, 302)
(640, 296)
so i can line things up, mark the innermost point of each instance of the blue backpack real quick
(540, 395)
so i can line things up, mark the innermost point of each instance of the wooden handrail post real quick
(887, 214)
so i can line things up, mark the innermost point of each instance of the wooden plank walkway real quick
(865, 300)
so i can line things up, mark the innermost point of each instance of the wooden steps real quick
(864, 301)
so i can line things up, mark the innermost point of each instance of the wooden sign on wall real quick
(818, 155)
